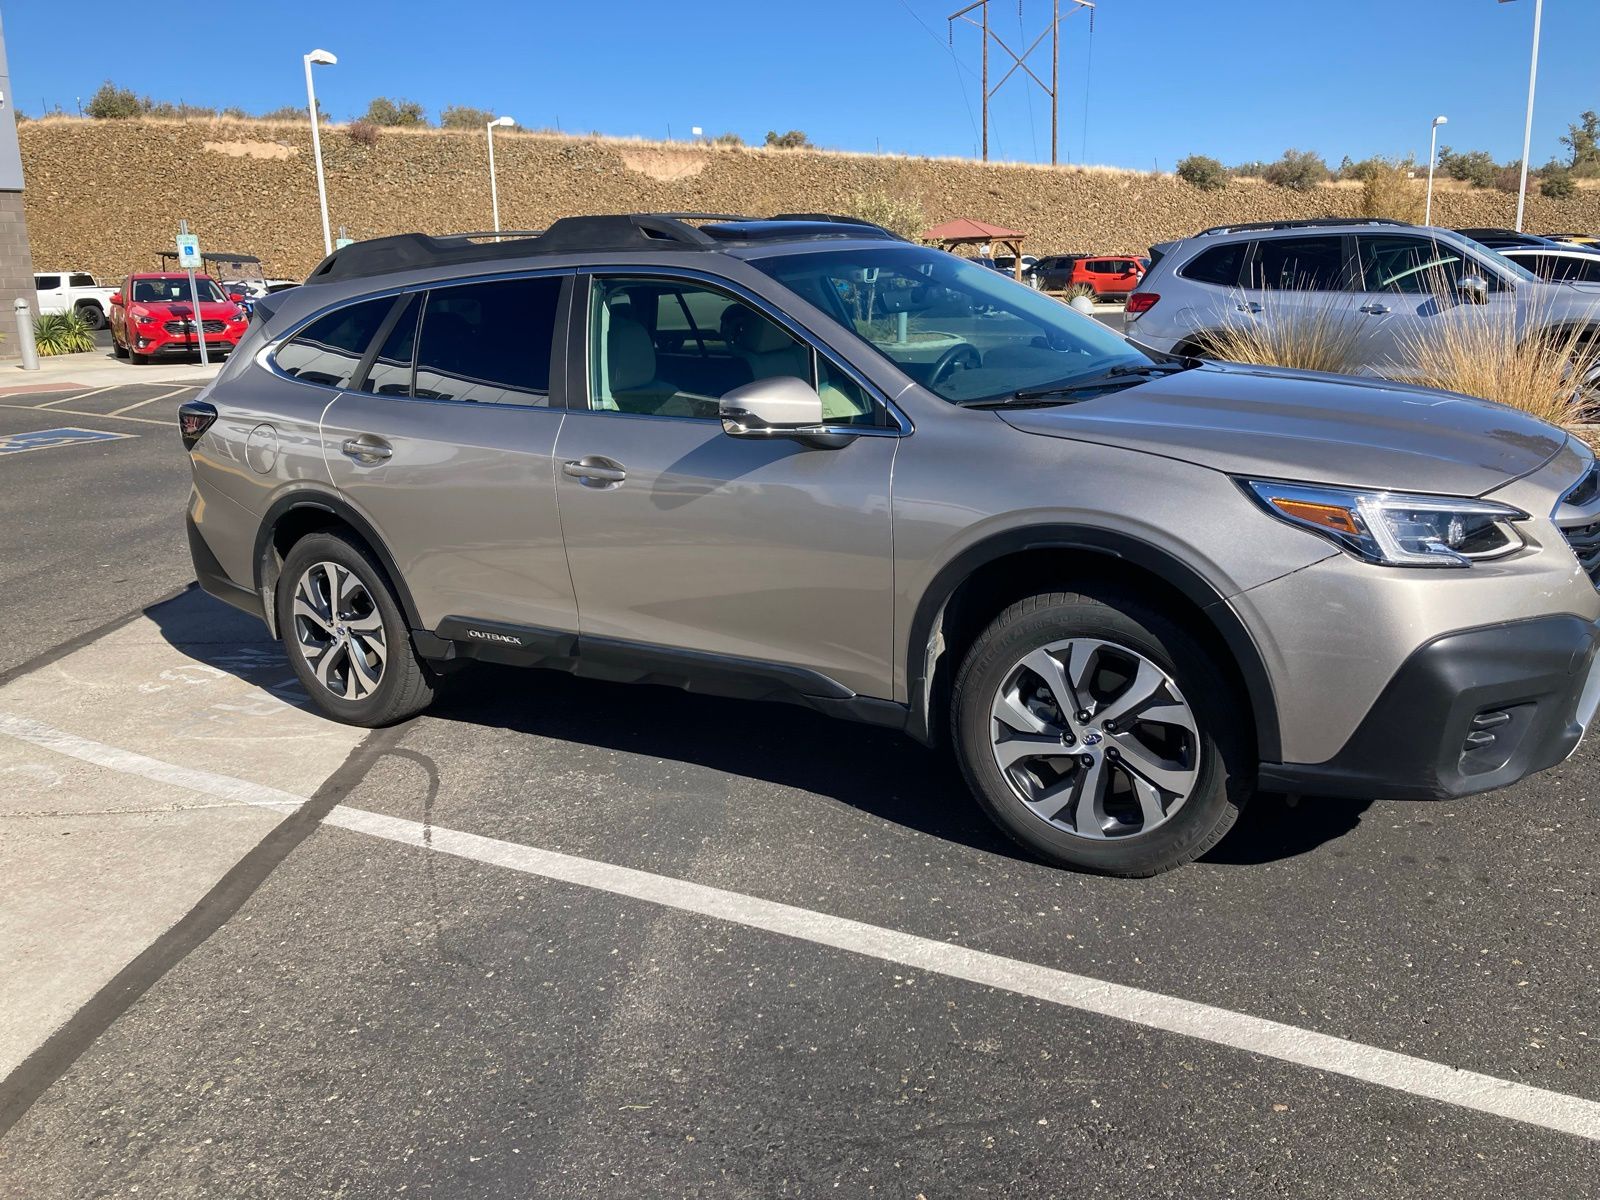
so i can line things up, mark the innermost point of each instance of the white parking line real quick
(71, 412)
(152, 400)
(74, 396)
(1223, 1027)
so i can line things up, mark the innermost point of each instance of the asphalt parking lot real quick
(559, 938)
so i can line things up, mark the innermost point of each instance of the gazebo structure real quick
(964, 231)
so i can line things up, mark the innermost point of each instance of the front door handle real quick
(367, 449)
(595, 471)
(1250, 307)
(1376, 310)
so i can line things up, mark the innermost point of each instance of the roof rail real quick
(1308, 223)
(634, 231)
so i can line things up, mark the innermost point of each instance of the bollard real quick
(25, 343)
(1081, 304)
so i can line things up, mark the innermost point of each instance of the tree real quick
(394, 113)
(114, 103)
(462, 116)
(1583, 139)
(1297, 170)
(795, 139)
(1476, 167)
(1365, 169)
(1203, 172)
(1556, 182)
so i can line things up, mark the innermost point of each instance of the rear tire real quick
(93, 316)
(1123, 747)
(346, 638)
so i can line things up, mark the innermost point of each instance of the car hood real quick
(1272, 423)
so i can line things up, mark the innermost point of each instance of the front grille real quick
(1585, 543)
(188, 327)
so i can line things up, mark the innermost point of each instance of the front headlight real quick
(1393, 528)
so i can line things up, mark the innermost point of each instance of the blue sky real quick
(1237, 79)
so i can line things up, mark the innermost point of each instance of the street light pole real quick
(319, 58)
(1527, 129)
(1433, 142)
(494, 188)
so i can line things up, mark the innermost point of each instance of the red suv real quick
(1112, 276)
(154, 314)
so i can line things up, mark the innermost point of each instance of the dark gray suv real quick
(804, 460)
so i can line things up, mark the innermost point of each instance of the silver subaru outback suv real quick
(805, 460)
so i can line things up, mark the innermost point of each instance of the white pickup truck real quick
(69, 291)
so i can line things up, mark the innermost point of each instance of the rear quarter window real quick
(1220, 265)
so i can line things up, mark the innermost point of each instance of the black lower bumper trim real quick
(1469, 712)
(213, 580)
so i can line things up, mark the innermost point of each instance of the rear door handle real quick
(595, 471)
(1376, 310)
(1251, 307)
(368, 448)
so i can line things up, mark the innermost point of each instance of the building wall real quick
(16, 263)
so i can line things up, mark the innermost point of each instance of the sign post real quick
(189, 260)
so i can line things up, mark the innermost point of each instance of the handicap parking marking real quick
(47, 439)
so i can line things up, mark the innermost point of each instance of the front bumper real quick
(159, 341)
(1468, 712)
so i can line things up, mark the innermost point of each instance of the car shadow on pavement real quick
(876, 771)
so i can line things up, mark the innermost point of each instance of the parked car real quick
(789, 460)
(73, 291)
(1506, 239)
(1574, 239)
(1557, 266)
(1379, 280)
(1110, 276)
(153, 314)
(1006, 264)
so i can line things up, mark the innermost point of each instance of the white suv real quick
(1391, 285)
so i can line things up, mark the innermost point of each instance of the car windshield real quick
(169, 291)
(962, 331)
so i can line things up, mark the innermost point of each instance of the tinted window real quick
(489, 343)
(82, 281)
(46, 283)
(1562, 268)
(390, 373)
(1411, 265)
(329, 350)
(1309, 264)
(1219, 265)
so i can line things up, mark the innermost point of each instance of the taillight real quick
(1141, 302)
(194, 418)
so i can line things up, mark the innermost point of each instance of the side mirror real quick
(1473, 289)
(782, 406)
(116, 297)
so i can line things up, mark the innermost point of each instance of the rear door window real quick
(390, 373)
(330, 349)
(1299, 264)
(489, 343)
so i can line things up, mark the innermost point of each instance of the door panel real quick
(463, 495)
(757, 548)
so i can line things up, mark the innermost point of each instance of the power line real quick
(954, 62)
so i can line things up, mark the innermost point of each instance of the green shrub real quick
(1476, 167)
(400, 113)
(1556, 182)
(1363, 170)
(1203, 172)
(112, 103)
(462, 116)
(795, 139)
(62, 333)
(1297, 170)
(1076, 290)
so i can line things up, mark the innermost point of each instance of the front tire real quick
(118, 350)
(1100, 734)
(346, 638)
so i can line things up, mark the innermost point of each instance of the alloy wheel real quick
(339, 630)
(1095, 739)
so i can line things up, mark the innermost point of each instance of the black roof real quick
(634, 232)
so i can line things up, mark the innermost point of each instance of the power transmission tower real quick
(1020, 61)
